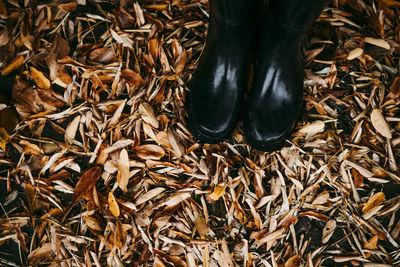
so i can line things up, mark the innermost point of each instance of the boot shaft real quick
(295, 16)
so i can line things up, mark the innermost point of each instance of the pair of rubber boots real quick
(214, 102)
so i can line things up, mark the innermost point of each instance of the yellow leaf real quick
(113, 205)
(374, 201)
(15, 64)
(3, 138)
(219, 191)
(40, 80)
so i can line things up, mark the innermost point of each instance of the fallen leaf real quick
(123, 170)
(293, 261)
(132, 78)
(202, 227)
(355, 53)
(14, 64)
(59, 49)
(30, 149)
(102, 55)
(377, 42)
(124, 19)
(150, 152)
(4, 136)
(218, 192)
(154, 48)
(149, 195)
(87, 181)
(147, 114)
(72, 128)
(328, 231)
(372, 243)
(374, 201)
(395, 88)
(113, 205)
(313, 128)
(39, 78)
(380, 124)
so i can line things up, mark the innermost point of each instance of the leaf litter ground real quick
(98, 167)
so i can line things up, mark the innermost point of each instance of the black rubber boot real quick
(275, 101)
(216, 90)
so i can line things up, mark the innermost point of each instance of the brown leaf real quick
(31, 149)
(293, 261)
(374, 201)
(102, 55)
(149, 195)
(41, 252)
(377, 42)
(180, 66)
(14, 64)
(113, 205)
(132, 78)
(87, 181)
(150, 152)
(123, 170)
(395, 88)
(124, 19)
(71, 6)
(40, 80)
(58, 50)
(154, 48)
(72, 128)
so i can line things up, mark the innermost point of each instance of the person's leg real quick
(216, 91)
(275, 101)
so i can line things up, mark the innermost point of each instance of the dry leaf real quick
(372, 243)
(30, 149)
(14, 64)
(102, 55)
(147, 114)
(150, 152)
(72, 128)
(40, 80)
(132, 78)
(4, 136)
(380, 124)
(355, 53)
(313, 128)
(123, 170)
(395, 88)
(113, 205)
(377, 42)
(293, 261)
(149, 195)
(328, 231)
(374, 201)
(154, 48)
(219, 191)
(87, 181)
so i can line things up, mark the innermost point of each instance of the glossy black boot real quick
(275, 101)
(216, 90)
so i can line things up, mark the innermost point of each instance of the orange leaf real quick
(219, 191)
(372, 243)
(132, 78)
(395, 88)
(294, 261)
(15, 64)
(40, 80)
(150, 152)
(374, 201)
(87, 181)
(113, 205)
